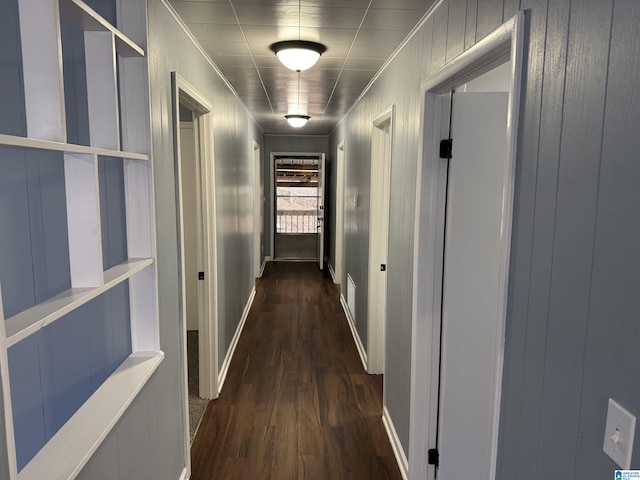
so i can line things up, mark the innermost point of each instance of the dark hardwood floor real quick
(297, 403)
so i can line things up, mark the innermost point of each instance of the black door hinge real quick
(446, 147)
(433, 457)
(383, 267)
(200, 275)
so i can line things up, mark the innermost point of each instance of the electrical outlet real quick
(618, 434)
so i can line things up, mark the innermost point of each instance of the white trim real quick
(331, 271)
(380, 191)
(272, 194)
(183, 92)
(398, 451)
(356, 338)
(264, 264)
(69, 450)
(320, 211)
(92, 21)
(492, 50)
(272, 207)
(11, 140)
(504, 43)
(185, 474)
(29, 321)
(258, 208)
(5, 391)
(427, 283)
(339, 214)
(234, 341)
(207, 257)
(384, 117)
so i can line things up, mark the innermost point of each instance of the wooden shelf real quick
(13, 141)
(28, 322)
(109, 110)
(125, 270)
(83, 15)
(69, 450)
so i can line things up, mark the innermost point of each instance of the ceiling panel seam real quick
(384, 66)
(206, 56)
(244, 37)
(353, 41)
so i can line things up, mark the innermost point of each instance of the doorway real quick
(258, 211)
(298, 206)
(339, 216)
(464, 216)
(381, 151)
(192, 221)
(193, 143)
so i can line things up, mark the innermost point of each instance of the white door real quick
(379, 240)
(321, 211)
(472, 281)
(190, 214)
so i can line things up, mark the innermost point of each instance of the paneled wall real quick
(148, 443)
(288, 143)
(572, 330)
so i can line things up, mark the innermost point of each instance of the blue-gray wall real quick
(573, 310)
(572, 331)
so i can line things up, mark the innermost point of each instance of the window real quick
(297, 195)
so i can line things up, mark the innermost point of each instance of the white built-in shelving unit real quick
(74, 136)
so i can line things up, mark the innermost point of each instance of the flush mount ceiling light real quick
(298, 55)
(296, 120)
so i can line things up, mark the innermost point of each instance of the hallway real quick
(297, 403)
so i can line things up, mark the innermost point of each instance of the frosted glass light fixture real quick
(298, 55)
(297, 121)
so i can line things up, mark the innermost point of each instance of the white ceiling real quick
(360, 35)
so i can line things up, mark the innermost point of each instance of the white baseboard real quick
(264, 264)
(401, 458)
(356, 338)
(234, 341)
(331, 271)
(185, 474)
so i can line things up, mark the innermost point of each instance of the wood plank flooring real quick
(297, 403)
(293, 246)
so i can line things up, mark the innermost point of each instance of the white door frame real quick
(381, 153)
(192, 218)
(272, 191)
(258, 210)
(503, 44)
(184, 93)
(338, 268)
(320, 211)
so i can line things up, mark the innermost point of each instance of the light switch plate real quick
(618, 434)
